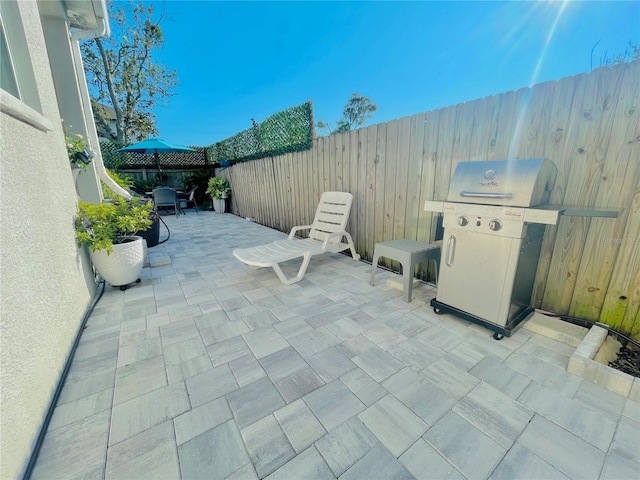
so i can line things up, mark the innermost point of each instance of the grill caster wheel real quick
(498, 336)
(437, 311)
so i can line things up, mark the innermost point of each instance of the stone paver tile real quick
(330, 363)
(265, 341)
(631, 410)
(93, 348)
(139, 351)
(292, 326)
(298, 384)
(185, 312)
(139, 378)
(267, 445)
(544, 373)
(546, 351)
(283, 312)
(377, 363)
(396, 426)
(333, 404)
(426, 399)
(425, 463)
(521, 463)
(75, 451)
(223, 331)
(211, 319)
(146, 411)
(90, 384)
(255, 401)
(80, 409)
(402, 379)
(365, 388)
(450, 378)
(299, 424)
(468, 449)
(188, 368)
(309, 465)
(137, 337)
(464, 356)
(485, 344)
(178, 331)
(569, 454)
(441, 337)
(407, 325)
(201, 419)
(282, 363)
(313, 341)
(233, 304)
(227, 351)
(601, 399)
(500, 376)
(355, 346)
(416, 353)
(262, 319)
(347, 444)
(379, 463)
(494, 413)
(626, 440)
(150, 454)
(184, 350)
(619, 466)
(383, 336)
(345, 328)
(215, 454)
(247, 369)
(211, 384)
(588, 424)
(245, 473)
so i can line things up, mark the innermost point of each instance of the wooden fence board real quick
(358, 146)
(612, 134)
(582, 186)
(370, 164)
(390, 174)
(402, 176)
(381, 166)
(414, 180)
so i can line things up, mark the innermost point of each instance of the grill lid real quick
(516, 183)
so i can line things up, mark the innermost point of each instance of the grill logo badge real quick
(489, 175)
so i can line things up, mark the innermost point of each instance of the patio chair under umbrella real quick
(155, 146)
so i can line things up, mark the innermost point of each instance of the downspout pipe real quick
(103, 30)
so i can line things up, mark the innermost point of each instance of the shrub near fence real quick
(587, 125)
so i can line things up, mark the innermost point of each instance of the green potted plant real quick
(109, 230)
(219, 190)
(80, 155)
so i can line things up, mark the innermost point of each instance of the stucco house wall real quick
(44, 286)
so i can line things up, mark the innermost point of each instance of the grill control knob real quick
(463, 221)
(495, 225)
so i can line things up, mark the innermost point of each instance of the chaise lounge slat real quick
(325, 235)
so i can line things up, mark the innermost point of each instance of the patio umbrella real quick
(155, 146)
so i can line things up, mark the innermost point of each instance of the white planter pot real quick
(122, 266)
(219, 205)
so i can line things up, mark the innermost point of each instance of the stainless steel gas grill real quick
(494, 223)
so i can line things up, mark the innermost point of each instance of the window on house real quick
(18, 90)
(7, 75)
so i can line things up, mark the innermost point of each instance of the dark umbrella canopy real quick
(155, 146)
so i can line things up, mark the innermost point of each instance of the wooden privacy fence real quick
(587, 125)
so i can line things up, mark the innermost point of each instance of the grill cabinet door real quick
(477, 272)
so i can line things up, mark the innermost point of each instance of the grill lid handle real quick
(486, 195)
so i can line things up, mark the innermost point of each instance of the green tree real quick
(355, 113)
(124, 77)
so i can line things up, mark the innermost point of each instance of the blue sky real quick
(243, 60)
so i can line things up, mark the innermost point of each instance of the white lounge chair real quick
(325, 235)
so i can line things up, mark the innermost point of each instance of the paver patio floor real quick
(209, 369)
